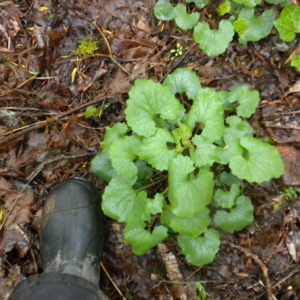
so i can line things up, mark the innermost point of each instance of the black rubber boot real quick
(72, 230)
(72, 235)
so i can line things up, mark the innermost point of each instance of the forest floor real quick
(45, 138)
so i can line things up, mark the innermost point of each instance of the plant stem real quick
(164, 192)
(159, 173)
(152, 184)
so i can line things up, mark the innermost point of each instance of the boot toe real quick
(71, 194)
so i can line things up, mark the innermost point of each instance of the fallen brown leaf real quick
(17, 210)
(62, 140)
(291, 158)
(5, 186)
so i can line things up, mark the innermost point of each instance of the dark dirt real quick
(45, 138)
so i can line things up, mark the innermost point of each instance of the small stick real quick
(28, 128)
(296, 270)
(40, 167)
(113, 283)
(262, 266)
(19, 108)
(182, 282)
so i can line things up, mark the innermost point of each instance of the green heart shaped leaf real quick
(207, 109)
(288, 24)
(120, 201)
(248, 100)
(214, 42)
(204, 154)
(227, 199)
(164, 10)
(226, 104)
(148, 105)
(183, 80)
(185, 20)
(101, 166)
(140, 239)
(202, 250)
(157, 149)
(194, 226)
(231, 149)
(112, 134)
(122, 161)
(238, 218)
(188, 193)
(238, 127)
(154, 206)
(256, 27)
(261, 163)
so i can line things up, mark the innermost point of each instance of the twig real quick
(110, 56)
(40, 167)
(280, 126)
(8, 136)
(182, 282)
(19, 108)
(113, 283)
(296, 270)
(24, 83)
(262, 266)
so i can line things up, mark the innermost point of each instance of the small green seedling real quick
(176, 52)
(92, 110)
(201, 290)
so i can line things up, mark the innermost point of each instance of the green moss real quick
(87, 46)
